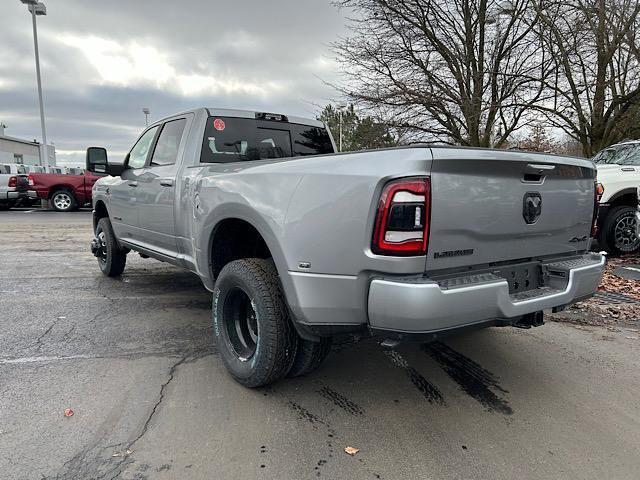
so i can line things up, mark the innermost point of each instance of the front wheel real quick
(619, 231)
(254, 334)
(111, 258)
(63, 201)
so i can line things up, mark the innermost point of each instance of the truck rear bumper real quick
(422, 305)
(23, 194)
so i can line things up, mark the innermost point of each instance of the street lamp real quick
(146, 112)
(39, 8)
(340, 109)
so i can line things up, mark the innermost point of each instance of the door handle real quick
(540, 167)
(133, 184)
(166, 182)
(628, 169)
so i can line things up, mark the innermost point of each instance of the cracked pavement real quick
(134, 358)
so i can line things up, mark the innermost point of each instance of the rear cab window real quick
(230, 139)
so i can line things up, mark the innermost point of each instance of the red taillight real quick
(402, 221)
(31, 181)
(598, 192)
(13, 182)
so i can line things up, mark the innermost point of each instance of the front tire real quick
(63, 201)
(254, 334)
(111, 258)
(618, 233)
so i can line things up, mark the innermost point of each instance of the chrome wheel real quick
(241, 324)
(62, 201)
(101, 252)
(625, 234)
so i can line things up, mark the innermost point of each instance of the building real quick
(16, 150)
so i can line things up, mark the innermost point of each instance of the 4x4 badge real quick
(531, 207)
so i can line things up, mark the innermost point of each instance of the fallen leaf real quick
(351, 451)
(68, 412)
(126, 453)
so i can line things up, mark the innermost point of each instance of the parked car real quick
(14, 186)
(65, 192)
(638, 215)
(299, 244)
(619, 173)
(33, 169)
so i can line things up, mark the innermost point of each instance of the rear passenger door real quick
(157, 189)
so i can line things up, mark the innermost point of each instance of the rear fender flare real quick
(61, 186)
(626, 191)
(249, 215)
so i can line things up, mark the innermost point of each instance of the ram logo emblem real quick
(531, 207)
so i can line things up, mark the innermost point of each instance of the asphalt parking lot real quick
(134, 358)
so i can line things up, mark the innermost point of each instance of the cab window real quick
(166, 151)
(228, 139)
(620, 155)
(140, 151)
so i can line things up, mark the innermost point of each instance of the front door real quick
(156, 190)
(123, 191)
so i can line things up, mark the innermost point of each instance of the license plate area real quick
(521, 277)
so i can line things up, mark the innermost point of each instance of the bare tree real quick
(595, 87)
(458, 71)
(535, 138)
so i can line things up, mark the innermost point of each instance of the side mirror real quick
(97, 160)
(98, 164)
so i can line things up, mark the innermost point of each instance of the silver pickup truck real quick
(299, 244)
(14, 186)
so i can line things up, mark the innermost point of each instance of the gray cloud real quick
(102, 62)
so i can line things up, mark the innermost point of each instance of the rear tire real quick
(618, 232)
(63, 201)
(111, 258)
(309, 356)
(254, 334)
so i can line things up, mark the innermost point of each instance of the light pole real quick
(340, 148)
(146, 112)
(38, 8)
(506, 8)
(340, 108)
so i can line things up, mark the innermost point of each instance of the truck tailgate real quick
(493, 206)
(22, 183)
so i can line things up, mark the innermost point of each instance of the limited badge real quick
(218, 124)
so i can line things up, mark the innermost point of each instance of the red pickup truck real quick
(65, 192)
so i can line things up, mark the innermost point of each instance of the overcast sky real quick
(103, 61)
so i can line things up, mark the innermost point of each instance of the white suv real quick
(619, 173)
